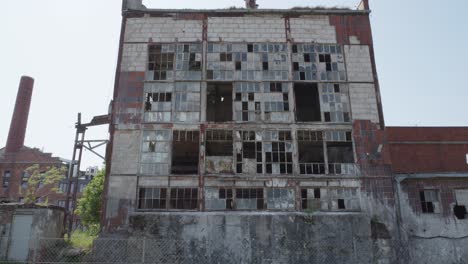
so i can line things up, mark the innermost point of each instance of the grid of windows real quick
(152, 198)
(189, 61)
(253, 62)
(219, 143)
(335, 102)
(155, 157)
(247, 102)
(311, 152)
(184, 198)
(250, 199)
(278, 152)
(161, 61)
(187, 102)
(314, 62)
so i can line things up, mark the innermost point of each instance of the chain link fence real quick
(187, 252)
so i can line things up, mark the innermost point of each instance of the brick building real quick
(15, 157)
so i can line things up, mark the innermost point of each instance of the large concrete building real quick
(235, 124)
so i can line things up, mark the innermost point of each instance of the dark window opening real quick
(219, 103)
(238, 66)
(152, 198)
(294, 48)
(250, 48)
(265, 66)
(311, 153)
(307, 102)
(340, 152)
(306, 57)
(296, 66)
(459, 211)
(184, 198)
(341, 204)
(185, 152)
(194, 65)
(219, 143)
(429, 201)
(227, 194)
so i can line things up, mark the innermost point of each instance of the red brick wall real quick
(428, 149)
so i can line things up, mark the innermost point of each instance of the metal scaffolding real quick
(75, 163)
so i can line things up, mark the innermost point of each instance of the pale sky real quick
(70, 49)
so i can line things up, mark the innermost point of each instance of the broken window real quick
(276, 101)
(247, 102)
(158, 102)
(185, 152)
(429, 201)
(189, 61)
(278, 152)
(340, 152)
(250, 199)
(311, 154)
(219, 143)
(152, 198)
(249, 152)
(312, 62)
(161, 61)
(219, 103)
(184, 198)
(335, 102)
(6, 178)
(155, 156)
(247, 62)
(280, 199)
(307, 102)
(310, 199)
(187, 102)
(459, 209)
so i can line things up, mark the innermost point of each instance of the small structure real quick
(21, 225)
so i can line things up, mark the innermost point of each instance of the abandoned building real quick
(16, 158)
(231, 126)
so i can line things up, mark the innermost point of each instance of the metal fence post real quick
(144, 246)
(36, 245)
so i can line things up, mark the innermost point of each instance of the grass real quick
(82, 239)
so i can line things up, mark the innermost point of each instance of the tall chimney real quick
(19, 121)
(251, 4)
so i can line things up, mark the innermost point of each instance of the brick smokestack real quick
(251, 4)
(19, 121)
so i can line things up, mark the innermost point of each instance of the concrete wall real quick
(262, 237)
(46, 223)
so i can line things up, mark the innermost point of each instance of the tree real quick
(89, 206)
(42, 183)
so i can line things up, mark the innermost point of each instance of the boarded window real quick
(429, 201)
(161, 61)
(219, 143)
(184, 198)
(281, 199)
(307, 102)
(311, 154)
(219, 103)
(152, 198)
(185, 152)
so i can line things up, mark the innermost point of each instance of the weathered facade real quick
(226, 123)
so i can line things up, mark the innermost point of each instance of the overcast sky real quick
(70, 49)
